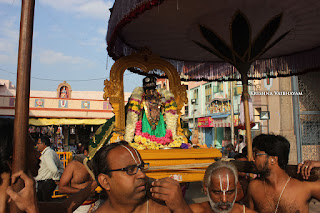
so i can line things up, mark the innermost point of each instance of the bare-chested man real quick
(76, 177)
(220, 185)
(119, 170)
(276, 191)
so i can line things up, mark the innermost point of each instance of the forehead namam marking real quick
(132, 155)
(223, 176)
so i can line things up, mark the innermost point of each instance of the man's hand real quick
(305, 168)
(26, 198)
(169, 191)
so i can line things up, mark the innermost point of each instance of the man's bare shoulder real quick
(304, 183)
(255, 185)
(76, 166)
(157, 207)
(150, 206)
(305, 186)
(309, 188)
(257, 181)
(71, 165)
(237, 208)
(200, 207)
(250, 210)
(74, 163)
(147, 205)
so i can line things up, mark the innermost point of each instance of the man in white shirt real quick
(240, 145)
(51, 169)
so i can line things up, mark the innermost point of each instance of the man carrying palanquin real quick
(76, 177)
(119, 170)
(220, 186)
(276, 191)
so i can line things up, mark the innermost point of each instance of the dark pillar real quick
(23, 92)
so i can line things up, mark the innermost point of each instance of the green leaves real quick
(243, 51)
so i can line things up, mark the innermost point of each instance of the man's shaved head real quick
(216, 166)
(220, 184)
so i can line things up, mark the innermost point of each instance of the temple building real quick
(69, 117)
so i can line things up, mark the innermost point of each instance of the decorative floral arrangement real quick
(133, 113)
(141, 142)
(134, 127)
(170, 111)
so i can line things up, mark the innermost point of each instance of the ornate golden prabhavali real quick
(145, 61)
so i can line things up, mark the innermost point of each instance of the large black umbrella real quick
(259, 38)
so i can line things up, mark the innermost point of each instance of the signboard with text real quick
(210, 122)
(205, 122)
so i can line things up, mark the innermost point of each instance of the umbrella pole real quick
(20, 134)
(245, 96)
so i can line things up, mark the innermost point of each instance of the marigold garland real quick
(132, 116)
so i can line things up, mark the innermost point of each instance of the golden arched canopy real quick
(145, 61)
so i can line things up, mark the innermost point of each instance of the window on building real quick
(208, 92)
(220, 86)
(186, 110)
(238, 90)
(196, 95)
(217, 87)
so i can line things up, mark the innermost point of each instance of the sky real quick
(68, 44)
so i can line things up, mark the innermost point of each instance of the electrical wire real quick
(79, 42)
(70, 80)
(48, 79)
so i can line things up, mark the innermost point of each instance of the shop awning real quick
(65, 121)
(220, 115)
(222, 122)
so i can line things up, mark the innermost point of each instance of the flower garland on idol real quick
(142, 140)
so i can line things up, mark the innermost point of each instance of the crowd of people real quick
(120, 171)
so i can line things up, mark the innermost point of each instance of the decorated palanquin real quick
(159, 108)
(150, 121)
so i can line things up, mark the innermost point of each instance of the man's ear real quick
(104, 181)
(274, 160)
(205, 189)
